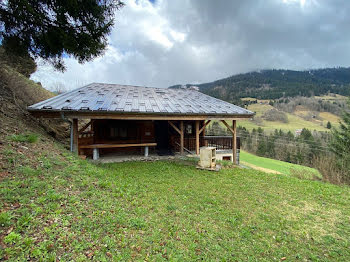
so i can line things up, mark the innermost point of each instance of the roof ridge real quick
(100, 83)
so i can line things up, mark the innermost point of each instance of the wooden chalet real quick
(108, 118)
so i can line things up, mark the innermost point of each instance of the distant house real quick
(196, 88)
(117, 118)
(298, 132)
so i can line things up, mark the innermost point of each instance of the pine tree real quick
(52, 29)
(340, 142)
(261, 150)
(329, 125)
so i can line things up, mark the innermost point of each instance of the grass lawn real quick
(55, 206)
(276, 165)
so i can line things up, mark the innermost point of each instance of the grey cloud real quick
(221, 38)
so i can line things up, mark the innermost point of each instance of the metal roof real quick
(115, 98)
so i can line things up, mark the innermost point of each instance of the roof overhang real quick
(131, 115)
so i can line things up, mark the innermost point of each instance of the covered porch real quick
(102, 137)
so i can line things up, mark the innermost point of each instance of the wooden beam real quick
(176, 129)
(197, 137)
(234, 142)
(75, 135)
(182, 137)
(117, 145)
(228, 126)
(204, 126)
(85, 127)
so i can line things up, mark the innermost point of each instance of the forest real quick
(278, 83)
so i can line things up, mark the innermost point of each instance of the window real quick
(189, 129)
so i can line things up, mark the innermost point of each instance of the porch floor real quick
(117, 157)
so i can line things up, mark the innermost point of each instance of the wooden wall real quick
(123, 131)
(118, 132)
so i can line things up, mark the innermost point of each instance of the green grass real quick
(69, 209)
(30, 138)
(276, 165)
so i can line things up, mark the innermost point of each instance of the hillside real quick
(274, 84)
(297, 119)
(55, 206)
(16, 93)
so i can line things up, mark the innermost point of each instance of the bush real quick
(30, 138)
(330, 170)
(258, 120)
(23, 64)
(275, 115)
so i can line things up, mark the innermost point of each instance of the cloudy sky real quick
(166, 42)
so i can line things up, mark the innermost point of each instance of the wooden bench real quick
(96, 147)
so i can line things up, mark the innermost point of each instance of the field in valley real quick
(296, 120)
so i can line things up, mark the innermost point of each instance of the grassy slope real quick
(295, 120)
(17, 92)
(54, 205)
(276, 165)
(24, 89)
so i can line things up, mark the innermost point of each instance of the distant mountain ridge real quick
(278, 83)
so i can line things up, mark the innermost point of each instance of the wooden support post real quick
(234, 142)
(205, 142)
(197, 137)
(75, 135)
(182, 137)
(233, 130)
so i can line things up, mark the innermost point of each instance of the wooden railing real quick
(220, 142)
